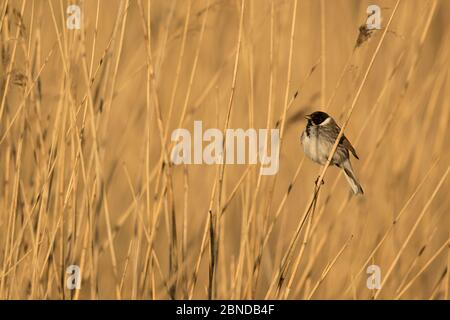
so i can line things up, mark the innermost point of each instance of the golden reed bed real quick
(92, 207)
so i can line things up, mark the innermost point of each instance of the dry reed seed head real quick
(363, 35)
(18, 78)
(5, 55)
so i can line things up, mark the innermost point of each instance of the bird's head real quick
(316, 118)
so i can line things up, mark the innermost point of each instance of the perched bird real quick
(318, 139)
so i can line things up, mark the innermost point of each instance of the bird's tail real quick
(350, 176)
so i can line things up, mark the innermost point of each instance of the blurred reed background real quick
(85, 123)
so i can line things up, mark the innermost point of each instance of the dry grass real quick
(85, 123)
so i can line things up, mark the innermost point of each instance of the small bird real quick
(318, 139)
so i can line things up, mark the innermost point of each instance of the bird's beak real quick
(308, 117)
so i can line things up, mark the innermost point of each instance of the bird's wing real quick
(347, 145)
(343, 142)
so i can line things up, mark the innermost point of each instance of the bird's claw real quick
(317, 181)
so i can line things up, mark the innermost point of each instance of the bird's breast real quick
(313, 147)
